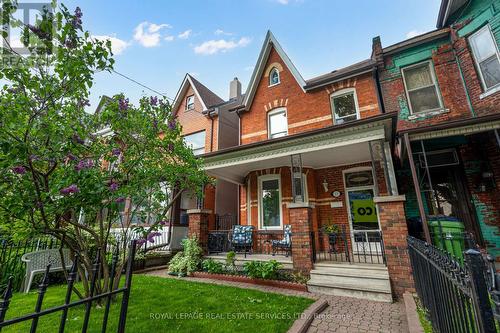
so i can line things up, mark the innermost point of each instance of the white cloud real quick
(249, 68)
(148, 34)
(222, 32)
(283, 2)
(414, 33)
(221, 45)
(185, 34)
(169, 38)
(117, 45)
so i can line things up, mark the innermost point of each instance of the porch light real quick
(325, 185)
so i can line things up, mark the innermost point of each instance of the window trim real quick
(193, 133)
(187, 105)
(271, 113)
(259, 204)
(274, 69)
(430, 66)
(476, 62)
(340, 93)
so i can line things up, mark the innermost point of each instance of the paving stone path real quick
(345, 314)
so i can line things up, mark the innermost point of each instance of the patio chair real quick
(284, 244)
(36, 262)
(242, 238)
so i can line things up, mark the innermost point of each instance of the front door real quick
(363, 219)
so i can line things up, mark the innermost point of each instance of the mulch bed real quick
(246, 279)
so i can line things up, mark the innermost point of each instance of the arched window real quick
(274, 77)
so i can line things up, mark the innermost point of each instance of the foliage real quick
(171, 298)
(67, 173)
(331, 228)
(230, 264)
(262, 269)
(187, 261)
(212, 266)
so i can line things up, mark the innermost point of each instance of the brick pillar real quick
(198, 225)
(301, 221)
(394, 231)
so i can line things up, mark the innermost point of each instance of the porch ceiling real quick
(329, 148)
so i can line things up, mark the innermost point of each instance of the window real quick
(344, 106)
(486, 56)
(359, 178)
(196, 142)
(270, 202)
(190, 102)
(421, 87)
(277, 123)
(274, 77)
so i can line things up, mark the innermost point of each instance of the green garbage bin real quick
(448, 234)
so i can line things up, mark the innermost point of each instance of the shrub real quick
(212, 266)
(231, 262)
(187, 261)
(262, 270)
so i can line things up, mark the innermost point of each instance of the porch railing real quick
(362, 246)
(129, 234)
(455, 295)
(225, 221)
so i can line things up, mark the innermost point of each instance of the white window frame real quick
(261, 220)
(190, 146)
(274, 69)
(473, 49)
(188, 104)
(434, 83)
(340, 93)
(274, 112)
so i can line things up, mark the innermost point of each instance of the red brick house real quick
(312, 154)
(207, 126)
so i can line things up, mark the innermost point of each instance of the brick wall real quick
(300, 220)
(305, 111)
(198, 227)
(193, 121)
(393, 224)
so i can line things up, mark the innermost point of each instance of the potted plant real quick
(332, 230)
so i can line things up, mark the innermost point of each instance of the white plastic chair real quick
(36, 262)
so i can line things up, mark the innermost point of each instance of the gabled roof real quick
(207, 97)
(269, 42)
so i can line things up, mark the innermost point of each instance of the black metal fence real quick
(455, 296)
(10, 258)
(106, 296)
(225, 221)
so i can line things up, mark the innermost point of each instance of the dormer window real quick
(190, 102)
(274, 77)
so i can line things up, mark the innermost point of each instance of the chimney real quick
(234, 89)
(377, 50)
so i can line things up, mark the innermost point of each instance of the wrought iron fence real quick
(225, 221)
(10, 258)
(94, 275)
(454, 295)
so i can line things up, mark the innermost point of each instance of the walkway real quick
(345, 314)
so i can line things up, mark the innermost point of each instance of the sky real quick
(156, 42)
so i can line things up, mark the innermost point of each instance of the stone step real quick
(371, 267)
(360, 281)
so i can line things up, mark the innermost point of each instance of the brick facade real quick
(305, 110)
(393, 224)
(302, 254)
(198, 226)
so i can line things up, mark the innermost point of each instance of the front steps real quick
(366, 281)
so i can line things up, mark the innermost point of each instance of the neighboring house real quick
(314, 153)
(207, 126)
(445, 87)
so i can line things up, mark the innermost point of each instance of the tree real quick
(65, 172)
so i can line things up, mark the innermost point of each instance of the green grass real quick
(166, 305)
(423, 317)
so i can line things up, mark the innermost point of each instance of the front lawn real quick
(164, 305)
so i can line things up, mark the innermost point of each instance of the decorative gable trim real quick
(186, 83)
(269, 42)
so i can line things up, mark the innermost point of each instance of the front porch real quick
(327, 196)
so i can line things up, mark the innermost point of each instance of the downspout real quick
(379, 90)
(453, 38)
(212, 134)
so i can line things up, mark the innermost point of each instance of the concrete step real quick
(360, 281)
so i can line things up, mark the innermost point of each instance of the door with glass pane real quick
(270, 203)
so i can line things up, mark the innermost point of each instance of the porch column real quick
(198, 226)
(394, 232)
(302, 250)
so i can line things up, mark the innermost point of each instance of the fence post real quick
(484, 314)
(128, 286)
